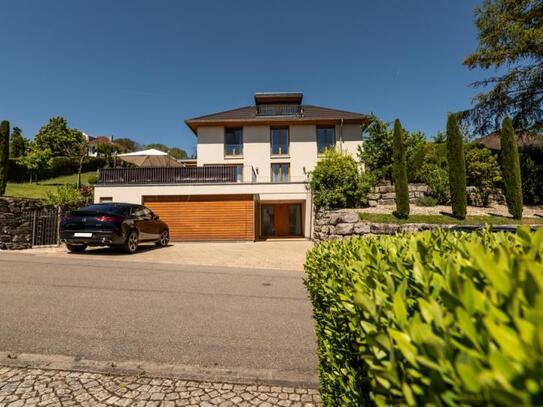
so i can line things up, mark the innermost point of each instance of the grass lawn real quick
(444, 219)
(39, 190)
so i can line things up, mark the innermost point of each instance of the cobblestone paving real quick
(37, 387)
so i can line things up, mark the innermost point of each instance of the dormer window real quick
(279, 104)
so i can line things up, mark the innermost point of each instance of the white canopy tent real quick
(150, 158)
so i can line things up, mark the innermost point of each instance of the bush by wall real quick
(434, 318)
(338, 182)
(59, 166)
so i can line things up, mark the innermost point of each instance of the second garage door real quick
(216, 217)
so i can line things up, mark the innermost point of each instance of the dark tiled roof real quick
(247, 114)
(492, 141)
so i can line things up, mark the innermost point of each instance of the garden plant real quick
(434, 318)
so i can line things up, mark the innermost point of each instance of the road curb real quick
(166, 371)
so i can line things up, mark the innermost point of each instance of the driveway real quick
(279, 254)
(200, 321)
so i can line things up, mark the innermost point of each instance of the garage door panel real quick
(206, 217)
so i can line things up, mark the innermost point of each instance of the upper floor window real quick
(326, 138)
(279, 140)
(280, 172)
(233, 142)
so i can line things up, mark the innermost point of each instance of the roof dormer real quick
(279, 103)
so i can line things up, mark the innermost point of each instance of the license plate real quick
(79, 234)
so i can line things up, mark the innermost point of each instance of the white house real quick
(250, 181)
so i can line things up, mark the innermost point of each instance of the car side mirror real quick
(156, 217)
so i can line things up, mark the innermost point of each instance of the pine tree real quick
(510, 165)
(399, 168)
(4, 155)
(457, 168)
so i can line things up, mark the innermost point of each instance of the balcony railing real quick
(220, 174)
(167, 175)
(279, 110)
(233, 150)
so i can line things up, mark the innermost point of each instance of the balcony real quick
(216, 174)
(279, 110)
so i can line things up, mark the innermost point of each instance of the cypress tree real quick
(510, 164)
(457, 168)
(4, 155)
(399, 169)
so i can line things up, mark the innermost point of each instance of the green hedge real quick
(59, 166)
(434, 318)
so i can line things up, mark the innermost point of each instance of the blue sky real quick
(138, 68)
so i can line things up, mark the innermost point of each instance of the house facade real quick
(250, 181)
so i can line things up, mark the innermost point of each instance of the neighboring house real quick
(524, 140)
(92, 142)
(250, 181)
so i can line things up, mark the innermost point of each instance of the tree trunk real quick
(79, 171)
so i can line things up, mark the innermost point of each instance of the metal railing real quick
(288, 109)
(279, 149)
(168, 175)
(233, 150)
(216, 174)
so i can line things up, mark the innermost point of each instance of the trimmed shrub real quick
(399, 170)
(511, 169)
(337, 182)
(4, 155)
(457, 168)
(437, 180)
(483, 171)
(433, 318)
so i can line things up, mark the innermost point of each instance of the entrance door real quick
(281, 220)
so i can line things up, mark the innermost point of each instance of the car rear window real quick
(102, 208)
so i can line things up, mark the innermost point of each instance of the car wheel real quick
(164, 238)
(131, 243)
(76, 248)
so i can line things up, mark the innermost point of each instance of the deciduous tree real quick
(178, 153)
(36, 160)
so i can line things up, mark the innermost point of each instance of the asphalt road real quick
(207, 317)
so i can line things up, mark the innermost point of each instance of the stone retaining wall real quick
(15, 222)
(384, 195)
(474, 198)
(344, 223)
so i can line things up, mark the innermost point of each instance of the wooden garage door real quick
(228, 217)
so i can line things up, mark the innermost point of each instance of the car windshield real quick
(117, 209)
